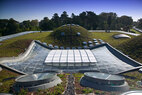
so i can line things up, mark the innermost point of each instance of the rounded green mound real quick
(133, 48)
(70, 35)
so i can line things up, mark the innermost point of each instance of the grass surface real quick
(70, 37)
(132, 78)
(15, 46)
(5, 76)
(133, 48)
(133, 30)
(108, 37)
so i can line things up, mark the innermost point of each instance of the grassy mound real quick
(14, 48)
(67, 35)
(133, 48)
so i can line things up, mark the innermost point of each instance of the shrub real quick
(87, 90)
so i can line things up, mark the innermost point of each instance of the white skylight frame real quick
(71, 56)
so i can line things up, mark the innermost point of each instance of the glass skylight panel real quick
(50, 55)
(83, 53)
(70, 53)
(85, 59)
(48, 59)
(56, 59)
(58, 53)
(78, 60)
(70, 59)
(63, 59)
(52, 52)
(92, 59)
(70, 56)
(64, 52)
(76, 53)
(89, 53)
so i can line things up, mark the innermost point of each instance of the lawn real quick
(17, 45)
(133, 30)
(7, 80)
(132, 78)
(108, 37)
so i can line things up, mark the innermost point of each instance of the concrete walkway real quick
(137, 29)
(70, 86)
(18, 34)
(119, 31)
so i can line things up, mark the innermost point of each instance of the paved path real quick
(137, 29)
(18, 34)
(133, 34)
(70, 86)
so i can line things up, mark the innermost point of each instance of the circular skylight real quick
(121, 36)
(34, 77)
(104, 76)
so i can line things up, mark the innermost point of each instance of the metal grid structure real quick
(104, 61)
(77, 57)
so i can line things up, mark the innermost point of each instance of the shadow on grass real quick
(10, 78)
(129, 77)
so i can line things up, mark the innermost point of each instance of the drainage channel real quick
(70, 86)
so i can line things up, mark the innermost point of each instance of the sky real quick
(38, 9)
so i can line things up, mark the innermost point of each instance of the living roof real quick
(109, 60)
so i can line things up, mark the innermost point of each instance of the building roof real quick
(109, 60)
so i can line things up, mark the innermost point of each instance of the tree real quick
(12, 27)
(109, 19)
(34, 25)
(87, 19)
(139, 23)
(3, 25)
(92, 20)
(64, 18)
(75, 19)
(34, 22)
(125, 22)
(26, 25)
(46, 24)
(56, 20)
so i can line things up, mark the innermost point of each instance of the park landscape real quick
(31, 41)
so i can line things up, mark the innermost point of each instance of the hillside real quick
(70, 35)
(14, 48)
(133, 48)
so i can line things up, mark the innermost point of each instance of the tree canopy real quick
(88, 19)
(139, 23)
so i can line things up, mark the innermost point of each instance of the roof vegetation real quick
(70, 35)
(133, 48)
